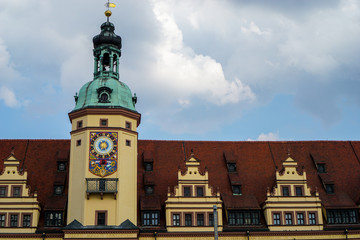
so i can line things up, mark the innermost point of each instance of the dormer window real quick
(104, 94)
(231, 167)
(149, 189)
(299, 191)
(61, 166)
(16, 192)
(199, 191)
(329, 188)
(58, 190)
(236, 189)
(148, 166)
(321, 168)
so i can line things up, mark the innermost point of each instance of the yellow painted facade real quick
(291, 206)
(118, 206)
(19, 207)
(192, 197)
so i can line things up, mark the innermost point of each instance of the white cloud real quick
(181, 71)
(267, 137)
(8, 96)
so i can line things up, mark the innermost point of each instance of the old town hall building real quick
(105, 183)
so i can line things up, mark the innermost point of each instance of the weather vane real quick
(108, 12)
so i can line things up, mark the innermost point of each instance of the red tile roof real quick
(256, 164)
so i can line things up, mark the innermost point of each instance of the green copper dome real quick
(106, 91)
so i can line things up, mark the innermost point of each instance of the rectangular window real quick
(312, 218)
(244, 218)
(300, 218)
(285, 191)
(14, 220)
(176, 219)
(103, 122)
(343, 216)
(288, 219)
(187, 192)
(53, 219)
(298, 191)
(188, 219)
(151, 218)
(16, 191)
(128, 143)
(78, 142)
(79, 124)
(199, 191)
(128, 125)
(276, 218)
(26, 220)
(211, 219)
(3, 191)
(200, 219)
(101, 218)
(2, 220)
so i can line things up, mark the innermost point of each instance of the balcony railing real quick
(101, 186)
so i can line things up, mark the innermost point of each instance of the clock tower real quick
(103, 160)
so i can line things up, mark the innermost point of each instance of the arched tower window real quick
(106, 62)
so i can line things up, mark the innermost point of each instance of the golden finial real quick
(109, 5)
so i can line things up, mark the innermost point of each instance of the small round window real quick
(104, 97)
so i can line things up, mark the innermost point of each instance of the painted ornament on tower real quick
(103, 153)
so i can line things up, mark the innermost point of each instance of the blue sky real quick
(202, 70)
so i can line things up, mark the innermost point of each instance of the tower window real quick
(128, 143)
(128, 125)
(79, 124)
(78, 142)
(103, 122)
(100, 218)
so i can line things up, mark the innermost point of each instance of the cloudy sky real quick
(202, 70)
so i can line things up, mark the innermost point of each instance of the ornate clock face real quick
(103, 153)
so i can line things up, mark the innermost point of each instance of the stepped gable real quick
(256, 164)
(39, 158)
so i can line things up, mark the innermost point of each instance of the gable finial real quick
(288, 152)
(13, 151)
